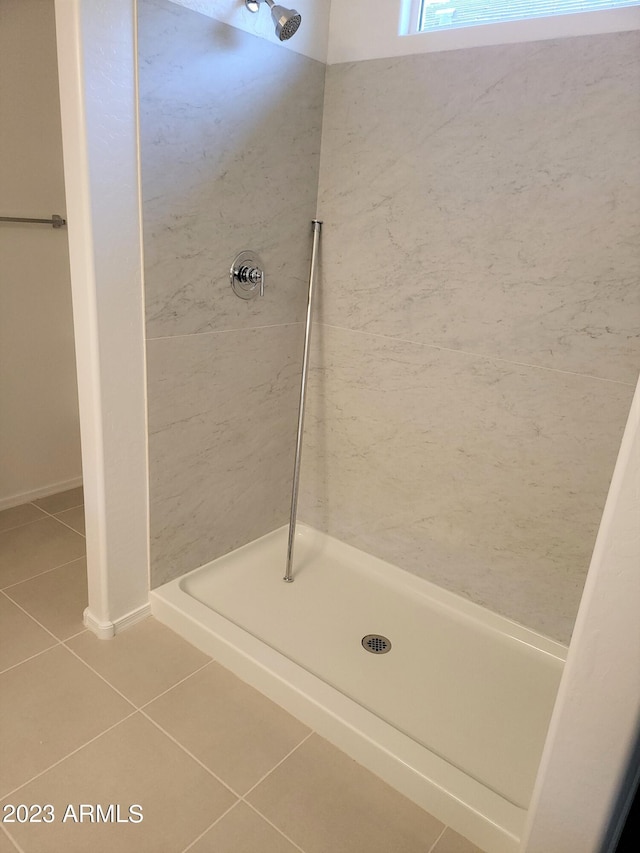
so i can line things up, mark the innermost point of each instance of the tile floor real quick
(147, 720)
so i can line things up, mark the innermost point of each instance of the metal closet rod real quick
(56, 221)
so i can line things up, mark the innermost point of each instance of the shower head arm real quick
(254, 5)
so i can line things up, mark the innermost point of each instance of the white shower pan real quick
(453, 715)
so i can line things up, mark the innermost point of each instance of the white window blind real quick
(440, 14)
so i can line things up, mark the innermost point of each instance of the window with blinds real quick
(440, 14)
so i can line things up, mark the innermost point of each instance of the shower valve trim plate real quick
(247, 275)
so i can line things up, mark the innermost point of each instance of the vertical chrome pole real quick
(317, 224)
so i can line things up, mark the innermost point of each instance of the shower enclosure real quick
(472, 366)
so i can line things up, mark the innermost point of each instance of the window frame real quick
(570, 23)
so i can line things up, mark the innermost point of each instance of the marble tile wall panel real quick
(230, 138)
(485, 477)
(482, 200)
(230, 147)
(489, 201)
(222, 424)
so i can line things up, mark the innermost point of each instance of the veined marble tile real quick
(230, 148)
(485, 477)
(222, 427)
(487, 200)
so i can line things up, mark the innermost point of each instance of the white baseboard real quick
(107, 630)
(42, 492)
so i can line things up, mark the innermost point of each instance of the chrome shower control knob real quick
(250, 274)
(247, 276)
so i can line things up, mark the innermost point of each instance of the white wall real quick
(594, 726)
(97, 62)
(39, 426)
(310, 40)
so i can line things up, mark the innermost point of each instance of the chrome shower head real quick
(286, 20)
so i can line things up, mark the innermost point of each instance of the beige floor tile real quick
(74, 518)
(62, 501)
(234, 730)
(20, 637)
(142, 661)
(133, 763)
(57, 599)
(16, 516)
(451, 842)
(33, 548)
(50, 705)
(242, 831)
(323, 800)
(6, 845)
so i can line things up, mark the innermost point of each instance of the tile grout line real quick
(239, 797)
(69, 755)
(23, 523)
(139, 710)
(265, 818)
(54, 516)
(275, 766)
(45, 514)
(77, 634)
(217, 820)
(224, 331)
(477, 355)
(437, 841)
(273, 826)
(72, 652)
(136, 709)
(169, 689)
(44, 572)
(190, 754)
(31, 657)
(95, 672)
(37, 621)
(262, 779)
(58, 641)
(15, 844)
(68, 526)
(253, 809)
